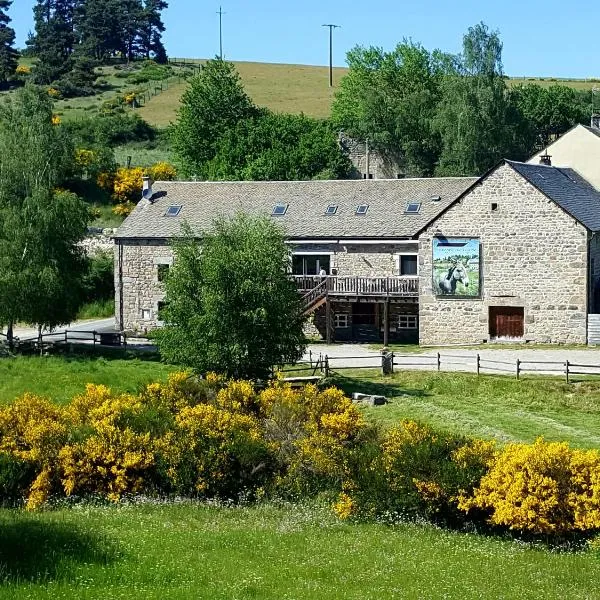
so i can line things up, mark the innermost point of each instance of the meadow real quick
(190, 551)
(182, 549)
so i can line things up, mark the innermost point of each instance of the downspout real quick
(589, 288)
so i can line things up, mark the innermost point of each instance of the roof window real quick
(362, 209)
(331, 209)
(173, 210)
(413, 208)
(279, 210)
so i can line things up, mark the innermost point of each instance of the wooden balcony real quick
(400, 287)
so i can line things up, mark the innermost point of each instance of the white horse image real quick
(457, 272)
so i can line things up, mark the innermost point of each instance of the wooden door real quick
(507, 321)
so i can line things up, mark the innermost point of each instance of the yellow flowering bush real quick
(53, 93)
(542, 488)
(162, 171)
(123, 209)
(84, 158)
(127, 186)
(23, 70)
(56, 120)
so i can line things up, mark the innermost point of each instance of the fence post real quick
(387, 363)
(94, 334)
(326, 366)
(518, 368)
(567, 370)
(310, 358)
(439, 362)
(478, 364)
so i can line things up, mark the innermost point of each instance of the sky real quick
(550, 38)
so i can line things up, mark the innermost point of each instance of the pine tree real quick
(54, 40)
(8, 54)
(151, 31)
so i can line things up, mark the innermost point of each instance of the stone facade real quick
(137, 266)
(138, 297)
(381, 165)
(533, 255)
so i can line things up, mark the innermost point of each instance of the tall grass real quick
(191, 551)
(99, 309)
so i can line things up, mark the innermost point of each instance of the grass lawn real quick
(62, 378)
(489, 406)
(192, 551)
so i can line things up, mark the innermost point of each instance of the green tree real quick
(8, 54)
(214, 103)
(390, 98)
(475, 119)
(230, 306)
(54, 40)
(279, 147)
(151, 30)
(40, 227)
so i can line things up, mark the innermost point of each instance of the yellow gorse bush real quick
(543, 488)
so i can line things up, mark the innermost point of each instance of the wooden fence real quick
(388, 363)
(64, 339)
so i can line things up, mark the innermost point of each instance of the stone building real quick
(370, 162)
(531, 234)
(514, 254)
(361, 233)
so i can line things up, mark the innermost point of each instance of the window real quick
(331, 209)
(408, 264)
(341, 320)
(146, 314)
(408, 321)
(310, 264)
(279, 210)
(413, 208)
(362, 209)
(494, 206)
(173, 210)
(162, 272)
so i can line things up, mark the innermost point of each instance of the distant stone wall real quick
(99, 241)
(381, 165)
(533, 255)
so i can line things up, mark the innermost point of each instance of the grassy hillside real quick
(282, 88)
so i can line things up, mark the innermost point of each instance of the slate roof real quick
(202, 202)
(593, 130)
(565, 187)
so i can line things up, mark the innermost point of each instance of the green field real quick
(189, 551)
(62, 378)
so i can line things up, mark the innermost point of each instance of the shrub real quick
(413, 470)
(541, 488)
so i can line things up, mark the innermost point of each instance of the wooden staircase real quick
(314, 298)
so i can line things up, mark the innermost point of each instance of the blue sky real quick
(541, 38)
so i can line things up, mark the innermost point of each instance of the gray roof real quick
(565, 187)
(202, 202)
(593, 130)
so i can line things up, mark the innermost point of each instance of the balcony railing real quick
(407, 287)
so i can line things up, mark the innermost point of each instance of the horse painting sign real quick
(456, 271)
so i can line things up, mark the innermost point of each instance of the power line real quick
(331, 28)
(221, 13)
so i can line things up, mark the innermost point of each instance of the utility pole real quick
(221, 13)
(331, 28)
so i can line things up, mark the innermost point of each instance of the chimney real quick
(147, 188)
(546, 159)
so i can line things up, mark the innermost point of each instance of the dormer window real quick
(362, 209)
(331, 209)
(173, 210)
(279, 210)
(413, 208)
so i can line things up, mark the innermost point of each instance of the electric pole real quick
(331, 28)
(221, 13)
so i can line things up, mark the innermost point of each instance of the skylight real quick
(279, 210)
(413, 208)
(331, 209)
(173, 210)
(362, 209)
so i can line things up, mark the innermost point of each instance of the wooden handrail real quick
(355, 285)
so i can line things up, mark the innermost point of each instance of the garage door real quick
(507, 321)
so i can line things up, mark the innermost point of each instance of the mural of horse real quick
(457, 272)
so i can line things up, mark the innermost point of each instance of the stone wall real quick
(101, 241)
(142, 291)
(533, 255)
(381, 165)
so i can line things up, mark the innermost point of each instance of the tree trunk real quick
(10, 337)
(40, 340)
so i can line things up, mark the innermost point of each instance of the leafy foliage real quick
(221, 135)
(230, 306)
(8, 54)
